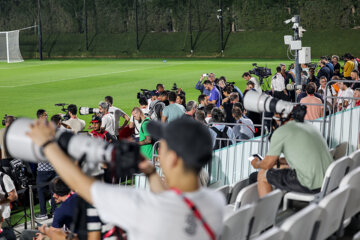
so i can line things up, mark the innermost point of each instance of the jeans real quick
(41, 178)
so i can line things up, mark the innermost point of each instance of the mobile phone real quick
(252, 157)
(205, 75)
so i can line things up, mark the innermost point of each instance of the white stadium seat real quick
(247, 195)
(236, 225)
(236, 188)
(274, 233)
(340, 150)
(355, 156)
(334, 173)
(225, 190)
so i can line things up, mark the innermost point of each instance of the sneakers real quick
(41, 216)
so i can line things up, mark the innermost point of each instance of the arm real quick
(12, 197)
(198, 85)
(267, 163)
(127, 119)
(163, 118)
(156, 184)
(147, 140)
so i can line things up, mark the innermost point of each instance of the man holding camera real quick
(248, 78)
(180, 209)
(74, 122)
(201, 87)
(107, 119)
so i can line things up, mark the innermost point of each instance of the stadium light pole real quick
(220, 17)
(86, 27)
(136, 25)
(40, 31)
(190, 29)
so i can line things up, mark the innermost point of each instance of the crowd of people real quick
(218, 113)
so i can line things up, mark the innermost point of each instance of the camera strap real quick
(196, 213)
(3, 185)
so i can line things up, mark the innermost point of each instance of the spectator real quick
(306, 169)
(356, 64)
(136, 124)
(335, 62)
(348, 67)
(4, 156)
(304, 77)
(312, 111)
(226, 94)
(245, 129)
(278, 86)
(107, 120)
(329, 65)
(164, 97)
(162, 209)
(249, 86)
(202, 101)
(180, 99)
(248, 78)
(219, 130)
(287, 75)
(357, 95)
(208, 109)
(157, 106)
(8, 194)
(118, 113)
(304, 94)
(56, 119)
(343, 97)
(200, 116)
(201, 87)
(312, 77)
(97, 132)
(330, 91)
(355, 78)
(63, 216)
(41, 114)
(74, 122)
(324, 71)
(160, 88)
(228, 106)
(191, 107)
(214, 96)
(146, 147)
(173, 111)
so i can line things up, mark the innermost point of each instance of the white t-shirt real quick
(108, 122)
(278, 83)
(162, 216)
(348, 93)
(118, 113)
(76, 124)
(257, 86)
(137, 124)
(9, 186)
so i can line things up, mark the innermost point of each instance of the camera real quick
(3, 122)
(312, 65)
(174, 88)
(19, 172)
(261, 72)
(205, 75)
(66, 116)
(261, 102)
(122, 157)
(87, 110)
(145, 93)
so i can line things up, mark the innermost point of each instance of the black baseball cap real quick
(96, 119)
(189, 138)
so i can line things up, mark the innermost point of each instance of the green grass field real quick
(30, 85)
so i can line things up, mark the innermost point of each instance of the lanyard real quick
(196, 212)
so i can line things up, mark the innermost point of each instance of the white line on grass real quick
(28, 66)
(87, 76)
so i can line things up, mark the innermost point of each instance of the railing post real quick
(31, 201)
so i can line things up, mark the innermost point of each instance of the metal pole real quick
(40, 31)
(86, 27)
(190, 29)
(221, 26)
(136, 25)
(31, 202)
(297, 65)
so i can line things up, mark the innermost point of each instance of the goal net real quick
(9, 47)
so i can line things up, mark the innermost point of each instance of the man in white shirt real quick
(246, 130)
(8, 194)
(135, 123)
(118, 113)
(278, 86)
(346, 92)
(164, 211)
(107, 120)
(74, 122)
(247, 76)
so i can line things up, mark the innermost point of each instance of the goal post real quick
(10, 47)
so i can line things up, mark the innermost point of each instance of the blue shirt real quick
(64, 214)
(200, 86)
(215, 95)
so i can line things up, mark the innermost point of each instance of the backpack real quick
(221, 134)
(155, 110)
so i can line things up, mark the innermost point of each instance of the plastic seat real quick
(265, 212)
(352, 180)
(247, 195)
(340, 150)
(334, 173)
(236, 188)
(225, 190)
(355, 156)
(274, 233)
(333, 206)
(300, 226)
(236, 225)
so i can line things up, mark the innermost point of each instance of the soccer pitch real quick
(33, 84)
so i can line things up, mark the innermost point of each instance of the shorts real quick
(286, 179)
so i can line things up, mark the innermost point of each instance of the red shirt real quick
(357, 103)
(96, 134)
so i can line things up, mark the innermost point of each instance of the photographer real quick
(107, 120)
(161, 212)
(4, 157)
(278, 86)
(97, 133)
(118, 113)
(201, 87)
(74, 122)
(248, 78)
(136, 124)
(41, 114)
(8, 194)
(144, 136)
(306, 169)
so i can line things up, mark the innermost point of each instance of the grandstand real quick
(101, 76)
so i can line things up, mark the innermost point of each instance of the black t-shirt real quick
(228, 111)
(337, 69)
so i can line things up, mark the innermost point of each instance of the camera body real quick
(261, 72)
(19, 172)
(3, 122)
(64, 109)
(145, 93)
